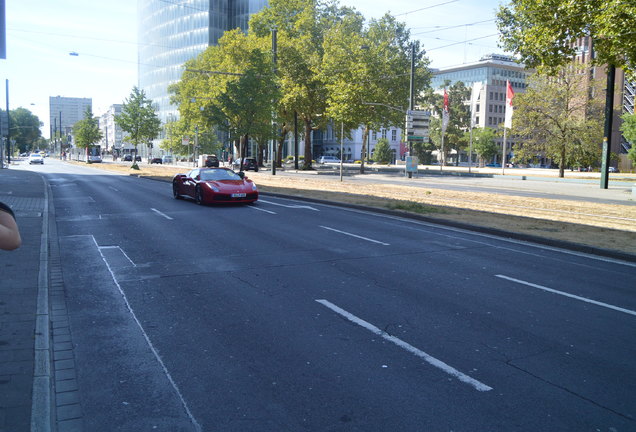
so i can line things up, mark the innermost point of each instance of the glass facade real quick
(173, 32)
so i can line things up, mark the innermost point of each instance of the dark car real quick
(214, 185)
(211, 161)
(156, 160)
(249, 163)
(127, 158)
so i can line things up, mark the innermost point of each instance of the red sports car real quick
(214, 185)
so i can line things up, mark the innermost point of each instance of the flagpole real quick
(510, 94)
(445, 119)
(470, 152)
(503, 156)
(441, 162)
(474, 97)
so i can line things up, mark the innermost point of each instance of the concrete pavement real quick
(24, 320)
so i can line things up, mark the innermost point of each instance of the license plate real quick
(238, 195)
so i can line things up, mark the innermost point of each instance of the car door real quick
(190, 182)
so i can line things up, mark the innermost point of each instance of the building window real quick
(374, 136)
(384, 133)
(394, 135)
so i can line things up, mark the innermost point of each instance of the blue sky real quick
(42, 33)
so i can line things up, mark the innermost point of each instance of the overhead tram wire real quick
(425, 8)
(462, 42)
(440, 29)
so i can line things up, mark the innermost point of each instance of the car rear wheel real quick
(198, 197)
(175, 190)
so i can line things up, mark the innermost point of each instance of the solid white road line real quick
(354, 235)
(161, 214)
(194, 421)
(584, 299)
(477, 385)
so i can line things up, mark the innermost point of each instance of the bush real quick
(382, 153)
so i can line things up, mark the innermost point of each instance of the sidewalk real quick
(24, 335)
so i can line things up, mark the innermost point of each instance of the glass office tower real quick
(173, 32)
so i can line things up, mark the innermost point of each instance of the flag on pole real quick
(474, 99)
(445, 113)
(510, 94)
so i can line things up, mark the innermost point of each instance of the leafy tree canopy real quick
(543, 33)
(628, 127)
(25, 129)
(138, 119)
(556, 121)
(458, 119)
(86, 131)
(366, 70)
(484, 144)
(382, 153)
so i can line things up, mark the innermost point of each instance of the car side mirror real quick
(241, 174)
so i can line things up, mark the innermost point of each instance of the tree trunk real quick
(308, 153)
(261, 149)
(281, 142)
(562, 163)
(363, 151)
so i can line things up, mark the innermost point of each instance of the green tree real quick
(25, 129)
(424, 151)
(544, 34)
(629, 132)
(86, 131)
(301, 27)
(366, 69)
(484, 144)
(173, 142)
(139, 120)
(383, 153)
(557, 119)
(458, 120)
(229, 87)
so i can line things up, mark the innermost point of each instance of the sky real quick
(88, 48)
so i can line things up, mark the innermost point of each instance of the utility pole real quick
(296, 140)
(274, 127)
(411, 101)
(609, 119)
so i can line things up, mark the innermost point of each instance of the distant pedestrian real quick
(9, 233)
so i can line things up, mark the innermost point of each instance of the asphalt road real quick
(289, 316)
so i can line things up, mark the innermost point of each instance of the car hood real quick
(230, 185)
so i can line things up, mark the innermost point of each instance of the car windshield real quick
(219, 174)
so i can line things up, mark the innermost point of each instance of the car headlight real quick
(254, 187)
(214, 188)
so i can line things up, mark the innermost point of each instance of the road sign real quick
(416, 138)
